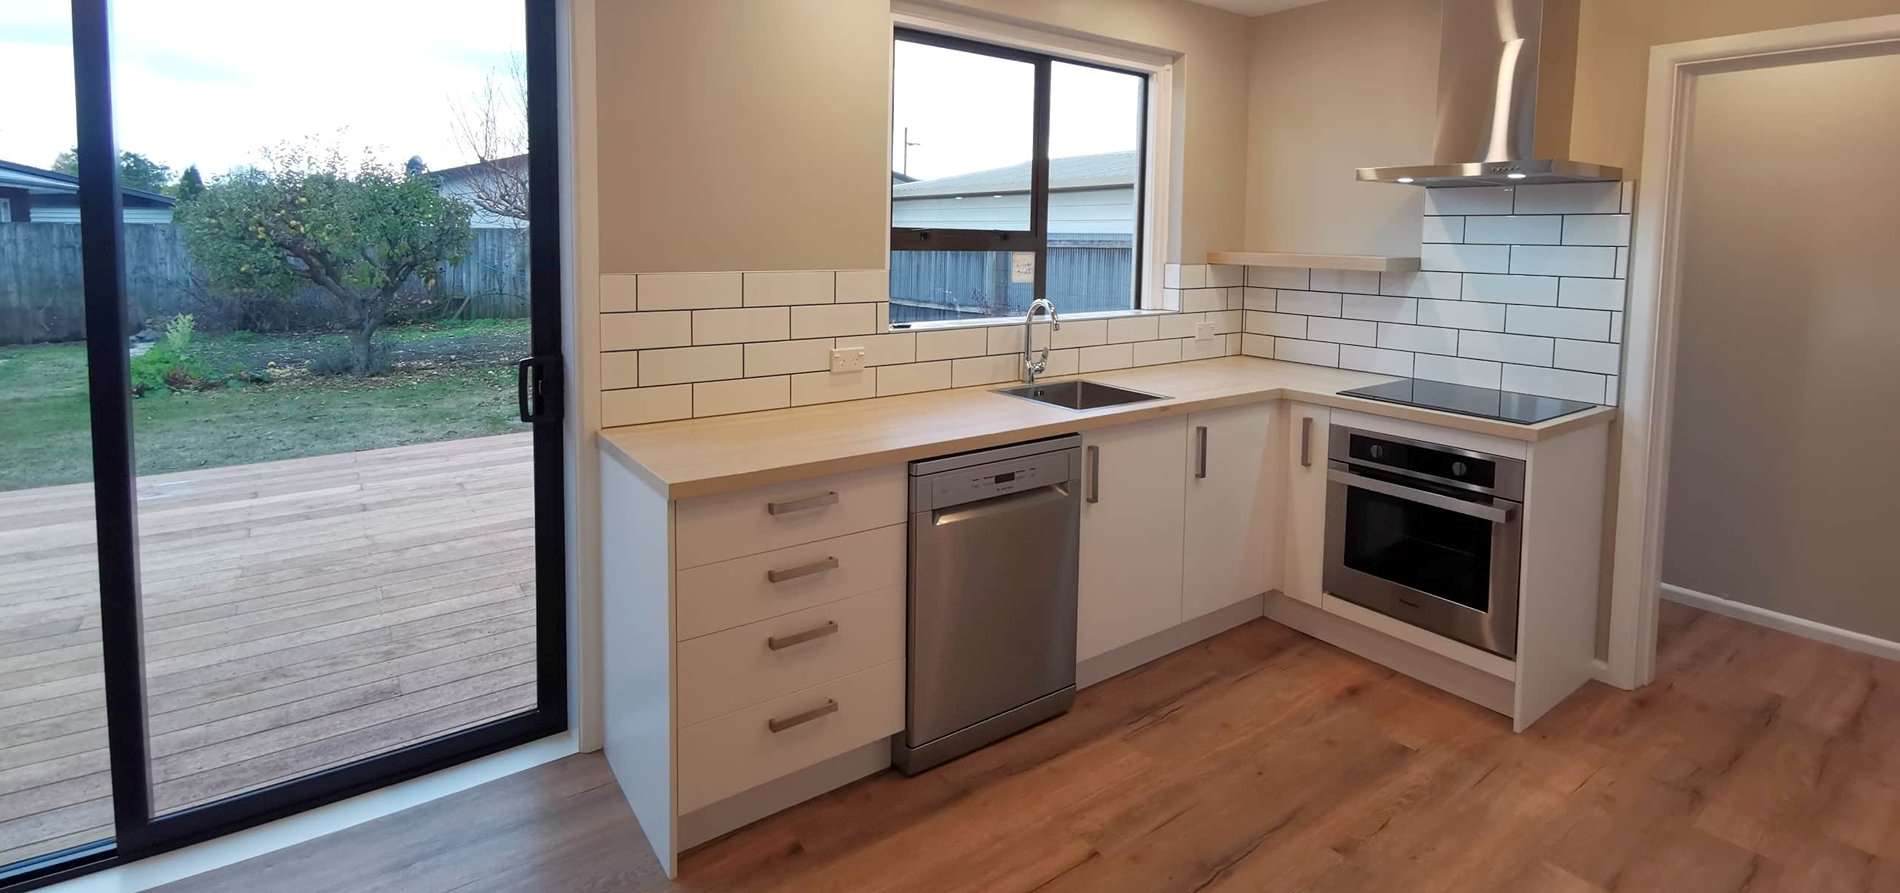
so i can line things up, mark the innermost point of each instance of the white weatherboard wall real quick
(685, 345)
(1519, 288)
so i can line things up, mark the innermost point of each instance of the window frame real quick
(1036, 239)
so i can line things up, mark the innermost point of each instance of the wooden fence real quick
(1083, 276)
(42, 296)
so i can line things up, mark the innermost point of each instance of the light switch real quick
(847, 359)
(1203, 331)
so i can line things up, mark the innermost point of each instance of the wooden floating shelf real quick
(1366, 262)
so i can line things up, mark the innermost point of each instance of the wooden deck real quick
(298, 615)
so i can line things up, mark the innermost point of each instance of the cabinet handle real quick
(1200, 451)
(1095, 474)
(803, 570)
(802, 505)
(799, 719)
(1306, 441)
(778, 643)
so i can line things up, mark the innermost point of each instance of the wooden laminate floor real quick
(298, 614)
(1264, 760)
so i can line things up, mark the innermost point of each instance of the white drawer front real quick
(714, 528)
(724, 756)
(725, 594)
(740, 667)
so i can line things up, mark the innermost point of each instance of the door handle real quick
(538, 388)
(799, 719)
(1095, 474)
(803, 570)
(1496, 514)
(780, 643)
(1200, 451)
(1306, 442)
(802, 505)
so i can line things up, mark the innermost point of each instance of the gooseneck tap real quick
(1034, 367)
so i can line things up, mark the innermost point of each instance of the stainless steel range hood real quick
(1506, 69)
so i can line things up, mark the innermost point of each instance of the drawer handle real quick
(802, 505)
(798, 719)
(777, 643)
(803, 570)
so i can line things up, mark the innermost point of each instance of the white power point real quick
(847, 359)
(1203, 331)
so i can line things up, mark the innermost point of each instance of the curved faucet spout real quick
(1033, 367)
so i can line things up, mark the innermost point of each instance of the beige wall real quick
(743, 135)
(1787, 378)
(1336, 86)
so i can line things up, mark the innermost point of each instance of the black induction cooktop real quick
(1489, 403)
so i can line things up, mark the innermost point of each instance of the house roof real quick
(1106, 169)
(39, 181)
(469, 170)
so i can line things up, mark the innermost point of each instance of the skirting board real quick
(1787, 623)
(739, 810)
(1472, 684)
(1115, 662)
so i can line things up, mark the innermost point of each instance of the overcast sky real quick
(209, 82)
(970, 112)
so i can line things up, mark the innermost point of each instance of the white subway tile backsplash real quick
(1009, 339)
(1424, 339)
(1315, 353)
(1588, 356)
(1462, 315)
(884, 350)
(1622, 263)
(913, 377)
(1259, 298)
(1570, 198)
(1503, 289)
(1201, 300)
(740, 326)
(619, 369)
(1278, 277)
(677, 365)
(863, 286)
(1558, 322)
(1612, 391)
(1152, 353)
(1081, 333)
(1591, 294)
(783, 357)
(1465, 258)
(825, 320)
(619, 293)
(1308, 303)
(1225, 322)
(1597, 229)
(741, 395)
(948, 344)
(1616, 327)
(831, 387)
(970, 371)
(639, 406)
(1441, 286)
(1061, 362)
(1256, 345)
(1372, 359)
(1106, 356)
(639, 331)
(689, 291)
(1379, 308)
(1476, 373)
(1203, 349)
(1469, 200)
(1284, 325)
(1342, 331)
(1358, 281)
(1564, 260)
(1514, 230)
(1504, 348)
(1554, 383)
(1442, 229)
(1224, 275)
(1190, 276)
(1178, 325)
(1133, 328)
(1628, 205)
(1170, 300)
(790, 287)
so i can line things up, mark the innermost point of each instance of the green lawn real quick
(446, 382)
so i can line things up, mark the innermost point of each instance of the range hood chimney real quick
(1506, 73)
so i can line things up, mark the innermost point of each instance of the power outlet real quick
(1203, 331)
(847, 359)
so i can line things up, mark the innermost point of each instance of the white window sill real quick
(994, 321)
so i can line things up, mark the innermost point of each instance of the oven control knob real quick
(1458, 469)
(1378, 452)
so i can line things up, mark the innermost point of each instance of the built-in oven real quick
(1426, 533)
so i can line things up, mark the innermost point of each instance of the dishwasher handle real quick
(1008, 503)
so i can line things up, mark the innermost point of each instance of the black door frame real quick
(138, 833)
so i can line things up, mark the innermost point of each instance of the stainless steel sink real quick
(1079, 394)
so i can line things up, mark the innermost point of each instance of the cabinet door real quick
(1132, 489)
(1305, 527)
(1233, 541)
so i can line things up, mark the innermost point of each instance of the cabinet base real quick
(912, 760)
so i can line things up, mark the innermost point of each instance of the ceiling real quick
(1255, 7)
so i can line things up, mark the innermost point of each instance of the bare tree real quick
(493, 126)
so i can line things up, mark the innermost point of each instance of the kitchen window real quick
(1014, 175)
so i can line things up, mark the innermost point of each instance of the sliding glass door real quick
(308, 373)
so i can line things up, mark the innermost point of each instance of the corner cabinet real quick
(1132, 533)
(1232, 549)
(1304, 539)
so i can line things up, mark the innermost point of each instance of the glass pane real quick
(934, 285)
(329, 266)
(1434, 551)
(55, 787)
(1094, 172)
(961, 139)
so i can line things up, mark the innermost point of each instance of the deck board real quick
(299, 615)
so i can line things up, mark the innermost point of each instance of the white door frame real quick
(1650, 339)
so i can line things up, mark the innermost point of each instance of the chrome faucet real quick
(1033, 368)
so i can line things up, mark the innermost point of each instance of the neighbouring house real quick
(35, 195)
(486, 185)
(1092, 212)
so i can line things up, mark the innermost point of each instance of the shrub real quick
(169, 363)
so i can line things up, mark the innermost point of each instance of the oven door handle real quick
(1492, 513)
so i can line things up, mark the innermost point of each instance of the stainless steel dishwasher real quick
(994, 539)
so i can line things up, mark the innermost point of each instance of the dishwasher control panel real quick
(999, 478)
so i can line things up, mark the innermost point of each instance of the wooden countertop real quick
(697, 457)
